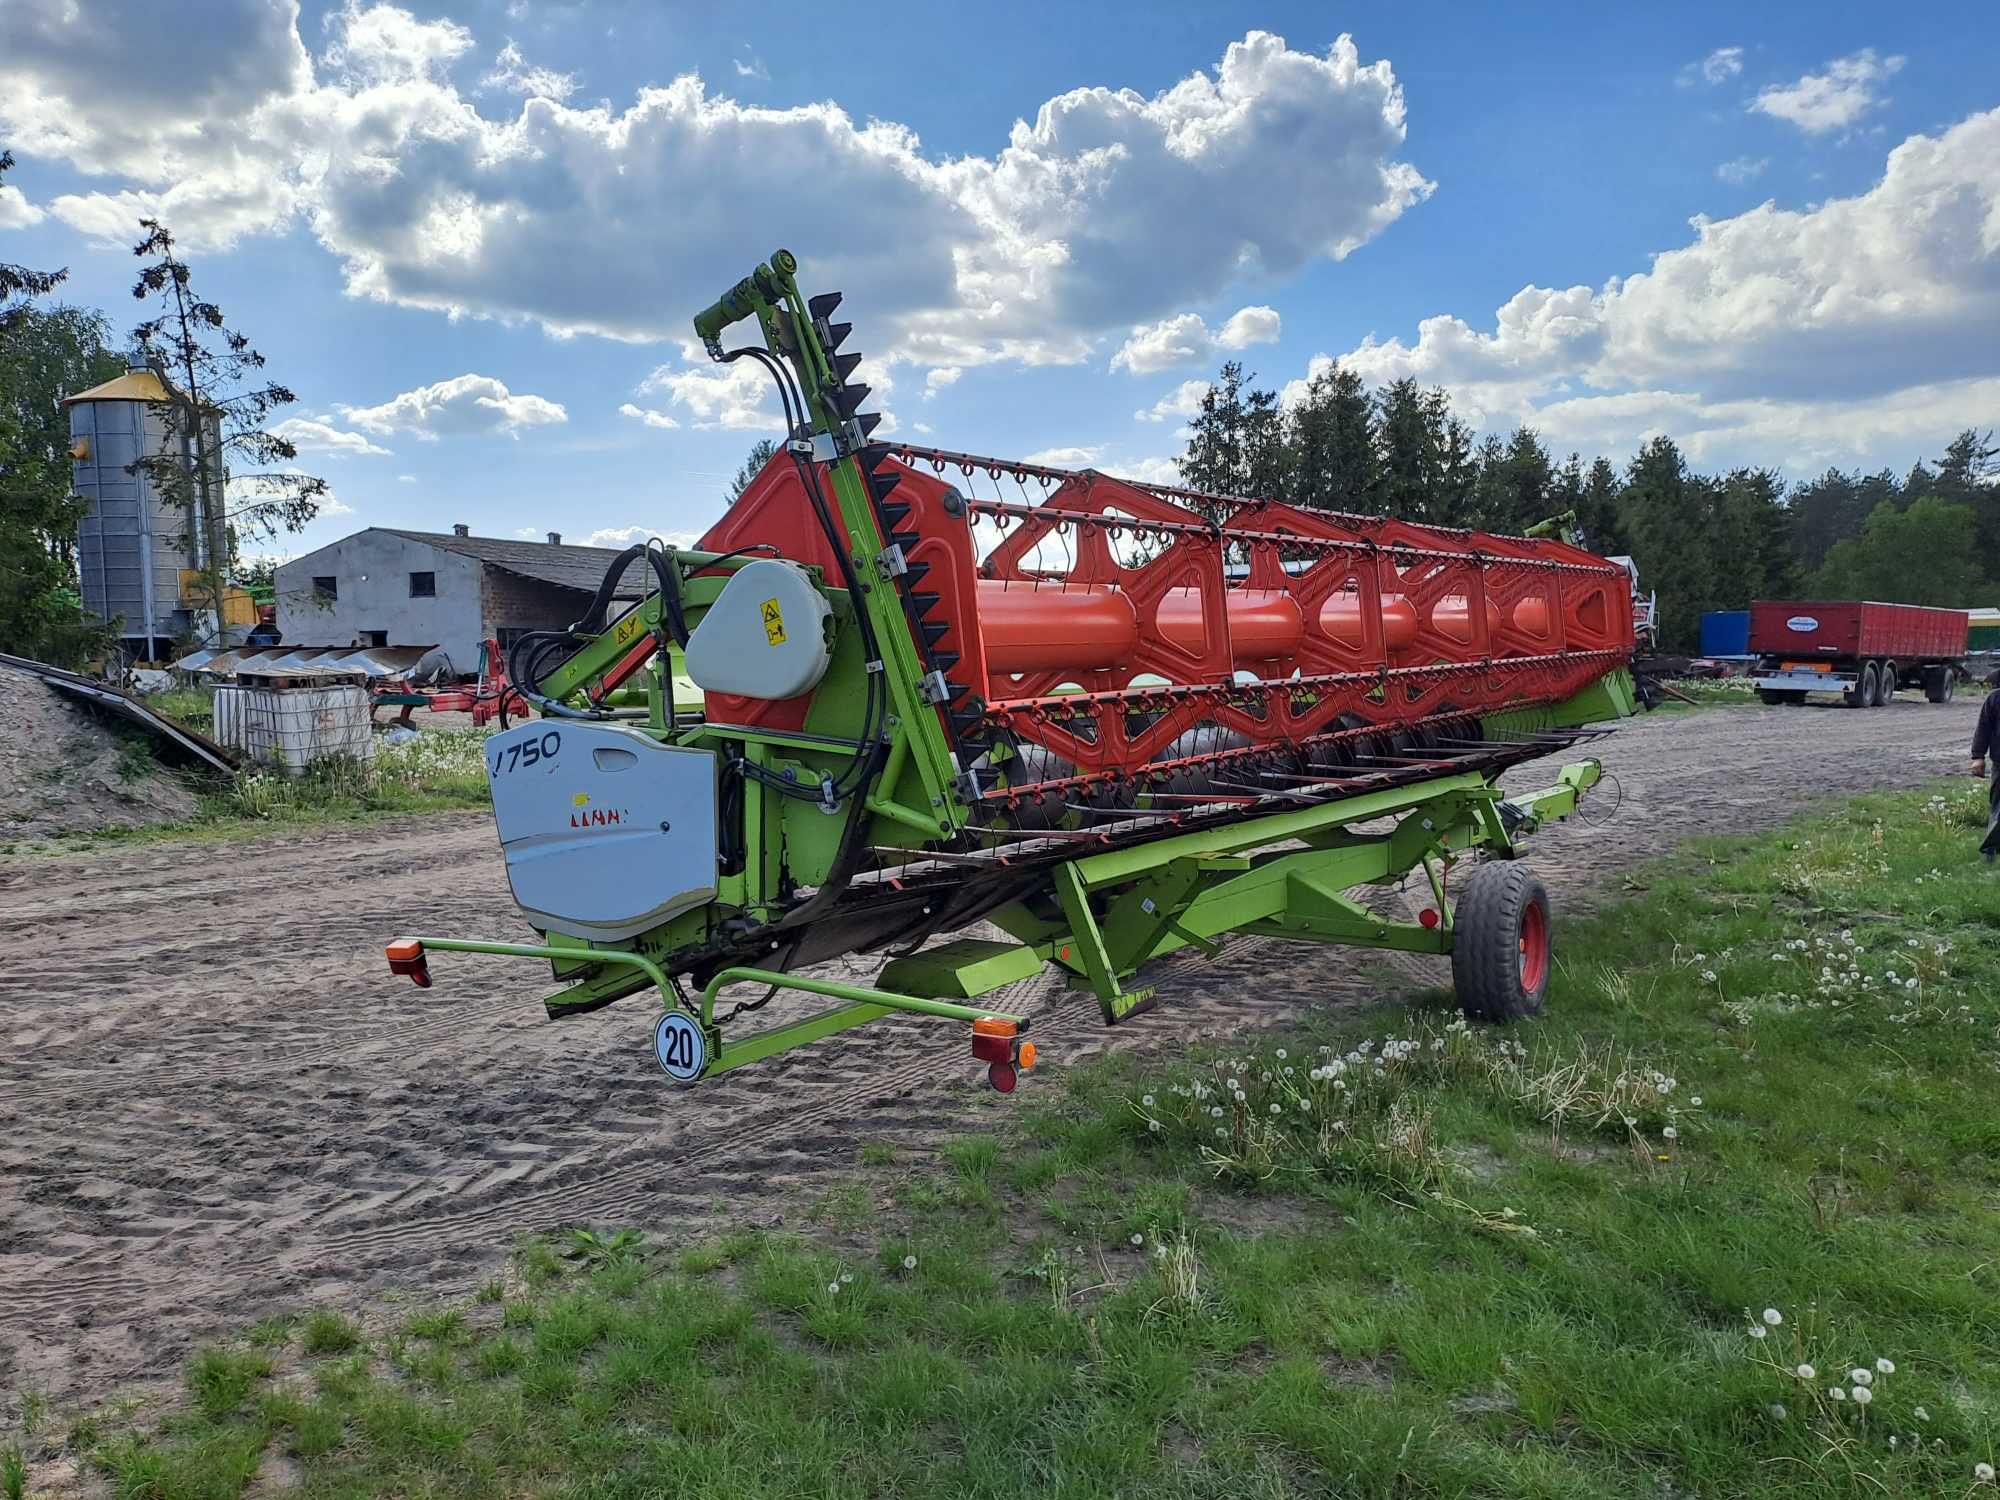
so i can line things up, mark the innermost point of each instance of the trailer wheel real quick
(1885, 688)
(1940, 684)
(1781, 695)
(1501, 944)
(1862, 694)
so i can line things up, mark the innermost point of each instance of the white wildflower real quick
(1835, 1393)
(1861, 1377)
(1862, 1395)
(1806, 1372)
(1671, 1134)
(1982, 1473)
(1773, 1317)
(1147, 1101)
(1885, 1367)
(1758, 1330)
(909, 1263)
(1138, 1239)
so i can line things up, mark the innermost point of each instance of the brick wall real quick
(512, 603)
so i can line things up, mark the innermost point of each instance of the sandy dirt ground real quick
(216, 1104)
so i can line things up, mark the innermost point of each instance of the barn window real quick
(327, 588)
(377, 637)
(423, 585)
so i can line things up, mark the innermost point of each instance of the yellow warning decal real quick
(774, 622)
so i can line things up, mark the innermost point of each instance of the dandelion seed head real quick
(1885, 1367)
(1806, 1372)
(1773, 1317)
(1982, 1473)
(1861, 1377)
(1862, 1395)
(909, 1263)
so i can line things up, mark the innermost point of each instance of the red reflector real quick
(1001, 1075)
(993, 1049)
(1428, 917)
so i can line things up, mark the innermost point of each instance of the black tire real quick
(1782, 695)
(1939, 684)
(1502, 949)
(1862, 694)
(1885, 687)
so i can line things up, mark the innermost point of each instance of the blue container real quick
(1725, 632)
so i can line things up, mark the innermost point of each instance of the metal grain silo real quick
(132, 553)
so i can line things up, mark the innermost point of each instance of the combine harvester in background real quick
(1114, 720)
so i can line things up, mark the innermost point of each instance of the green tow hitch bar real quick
(688, 1045)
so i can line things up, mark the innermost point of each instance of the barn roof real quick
(559, 563)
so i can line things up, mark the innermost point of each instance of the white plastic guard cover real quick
(606, 832)
(765, 635)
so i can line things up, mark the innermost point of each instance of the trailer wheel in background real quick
(1862, 693)
(1940, 684)
(1885, 687)
(1501, 947)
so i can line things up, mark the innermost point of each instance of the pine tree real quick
(1331, 437)
(1236, 442)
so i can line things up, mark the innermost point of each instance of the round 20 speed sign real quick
(679, 1046)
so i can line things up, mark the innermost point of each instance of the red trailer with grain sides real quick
(1862, 651)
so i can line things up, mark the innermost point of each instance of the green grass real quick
(1522, 1263)
(1712, 692)
(440, 770)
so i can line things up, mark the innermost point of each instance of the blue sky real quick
(470, 236)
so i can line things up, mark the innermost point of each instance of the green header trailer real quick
(884, 700)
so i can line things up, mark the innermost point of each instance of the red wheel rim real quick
(1534, 947)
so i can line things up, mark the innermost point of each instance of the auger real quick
(1114, 720)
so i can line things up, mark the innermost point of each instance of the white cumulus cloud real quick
(310, 436)
(1184, 400)
(622, 537)
(16, 212)
(465, 404)
(1064, 458)
(647, 415)
(1821, 102)
(1825, 330)
(513, 72)
(1721, 65)
(1101, 209)
(1186, 338)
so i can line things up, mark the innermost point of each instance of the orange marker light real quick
(406, 956)
(1025, 1059)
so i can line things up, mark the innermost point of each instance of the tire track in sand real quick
(218, 1105)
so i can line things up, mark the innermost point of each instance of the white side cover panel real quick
(765, 635)
(606, 832)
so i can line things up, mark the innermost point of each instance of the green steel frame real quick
(1119, 910)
